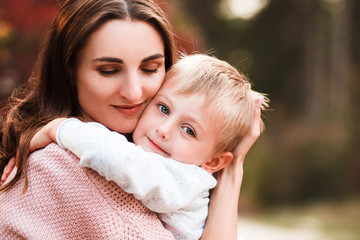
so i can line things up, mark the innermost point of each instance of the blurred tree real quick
(23, 23)
(305, 55)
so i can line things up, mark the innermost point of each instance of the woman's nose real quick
(131, 89)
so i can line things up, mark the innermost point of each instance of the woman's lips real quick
(128, 109)
(156, 146)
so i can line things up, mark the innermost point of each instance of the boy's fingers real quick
(8, 169)
(259, 101)
(10, 166)
(254, 131)
(256, 127)
(3, 178)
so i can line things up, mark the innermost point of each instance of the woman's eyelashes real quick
(105, 72)
(149, 71)
(108, 70)
(150, 68)
(111, 71)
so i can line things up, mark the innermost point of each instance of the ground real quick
(254, 230)
(338, 220)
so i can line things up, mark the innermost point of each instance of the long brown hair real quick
(50, 91)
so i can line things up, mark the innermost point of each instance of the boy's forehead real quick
(172, 83)
(176, 86)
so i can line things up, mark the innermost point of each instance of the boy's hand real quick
(253, 133)
(234, 171)
(8, 169)
(225, 197)
(41, 139)
(45, 135)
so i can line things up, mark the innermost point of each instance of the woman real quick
(103, 61)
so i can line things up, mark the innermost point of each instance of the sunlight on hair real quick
(245, 9)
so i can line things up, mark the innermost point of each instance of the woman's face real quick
(119, 70)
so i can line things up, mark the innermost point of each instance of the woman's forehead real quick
(124, 39)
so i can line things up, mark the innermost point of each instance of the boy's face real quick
(177, 127)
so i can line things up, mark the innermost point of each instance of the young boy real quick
(187, 132)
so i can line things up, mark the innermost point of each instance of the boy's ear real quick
(217, 162)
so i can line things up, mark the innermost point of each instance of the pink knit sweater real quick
(65, 201)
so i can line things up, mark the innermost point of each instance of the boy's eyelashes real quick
(189, 131)
(163, 108)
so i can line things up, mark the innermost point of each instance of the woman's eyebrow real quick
(118, 60)
(152, 57)
(109, 59)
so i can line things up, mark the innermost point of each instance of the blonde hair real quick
(228, 95)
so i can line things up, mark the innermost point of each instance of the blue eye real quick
(189, 131)
(164, 109)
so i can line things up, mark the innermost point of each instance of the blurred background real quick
(302, 177)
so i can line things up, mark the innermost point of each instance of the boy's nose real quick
(164, 131)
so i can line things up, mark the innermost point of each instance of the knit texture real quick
(65, 201)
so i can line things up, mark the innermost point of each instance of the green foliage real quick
(304, 54)
(296, 166)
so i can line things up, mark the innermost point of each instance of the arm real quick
(163, 185)
(222, 219)
(66, 202)
(99, 149)
(42, 138)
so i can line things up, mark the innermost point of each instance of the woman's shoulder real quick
(60, 191)
(52, 151)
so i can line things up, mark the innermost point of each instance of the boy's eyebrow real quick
(197, 123)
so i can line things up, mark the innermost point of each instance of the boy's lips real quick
(154, 145)
(128, 109)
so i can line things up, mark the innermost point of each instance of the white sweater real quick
(178, 192)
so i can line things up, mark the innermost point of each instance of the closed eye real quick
(108, 69)
(106, 72)
(155, 70)
(151, 67)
